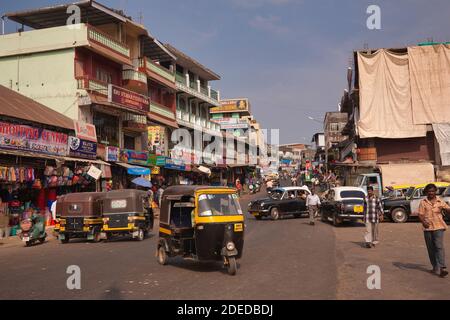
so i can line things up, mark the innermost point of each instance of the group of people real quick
(432, 210)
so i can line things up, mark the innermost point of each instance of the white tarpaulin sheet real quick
(385, 97)
(430, 83)
(407, 173)
(442, 133)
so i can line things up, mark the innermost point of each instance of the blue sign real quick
(79, 148)
(138, 171)
(175, 164)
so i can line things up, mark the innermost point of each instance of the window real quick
(334, 127)
(352, 194)
(103, 75)
(106, 127)
(129, 142)
(218, 205)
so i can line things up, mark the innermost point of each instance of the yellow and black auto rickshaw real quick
(80, 216)
(201, 222)
(127, 212)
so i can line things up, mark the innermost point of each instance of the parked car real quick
(282, 201)
(343, 204)
(401, 209)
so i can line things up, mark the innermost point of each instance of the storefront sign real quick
(27, 138)
(133, 157)
(238, 124)
(232, 105)
(154, 160)
(175, 164)
(156, 170)
(128, 99)
(85, 131)
(138, 171)
(156, 140)
(112, 154)
(82, 148)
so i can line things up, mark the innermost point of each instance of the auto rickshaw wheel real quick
(141, 235)
(232, 266)
(28, 243)
(65, 240)
(162, 256)
(42, 240)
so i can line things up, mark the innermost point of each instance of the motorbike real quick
(33, 230)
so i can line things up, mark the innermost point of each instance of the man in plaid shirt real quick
(373, 212)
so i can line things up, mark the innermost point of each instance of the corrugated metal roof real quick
(15, 105)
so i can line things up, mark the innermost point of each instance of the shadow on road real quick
(113, 293)
(198, 266)
(411, 266)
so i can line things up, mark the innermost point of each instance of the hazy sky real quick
(288, 56)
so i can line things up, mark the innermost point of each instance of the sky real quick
(289, 57)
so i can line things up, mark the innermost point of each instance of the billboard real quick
(232, 105)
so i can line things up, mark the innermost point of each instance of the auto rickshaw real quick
(80, 216)
(201, 222)
(127, 212)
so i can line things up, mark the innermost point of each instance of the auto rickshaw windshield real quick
(218, 205)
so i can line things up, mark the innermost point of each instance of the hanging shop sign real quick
(27, 138)
(79, 148)
(134, 157)
(85, 131)
(156, 140)
(112, 154)
(175, 164)
(156, 170)
(94, 172)
(128, 99)
(138, 171)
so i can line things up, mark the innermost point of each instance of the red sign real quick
(85, 131)
(128, 99)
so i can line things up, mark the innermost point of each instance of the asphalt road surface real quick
(286, 259)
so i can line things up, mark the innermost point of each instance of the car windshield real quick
(218, 205)
(352, 194)
(410, 192)
(277, 194)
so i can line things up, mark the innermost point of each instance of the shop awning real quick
(201, 169)
(134, 169)
(86, 160)
(30, 154)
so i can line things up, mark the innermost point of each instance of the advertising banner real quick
(112, 154)
(175, 164)
(156, 140)
(79, 148)
(32, 139)
(134, 157)
(232, 105)
(85, 131)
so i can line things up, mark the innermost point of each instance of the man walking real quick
(373, 212)
(313, 204)
(431, 215)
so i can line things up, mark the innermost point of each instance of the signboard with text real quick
(79, 148)
(85, 131)
(128, 99)
(33, 139)
(134, 157)
(232, 105)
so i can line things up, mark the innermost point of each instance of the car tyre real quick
(275, 214)
(399, 215)
(336, 221)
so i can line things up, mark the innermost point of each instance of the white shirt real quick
(53, 210)
(269, 184)
(312, 200)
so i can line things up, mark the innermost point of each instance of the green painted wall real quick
(47, 77)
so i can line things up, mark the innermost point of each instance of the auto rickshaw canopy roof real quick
(191, 190)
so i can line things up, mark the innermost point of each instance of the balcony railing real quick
(159, 70)
(134, 75)
(161, 109)
(197, 121)
(191, 87)
(105, 40)
(92, 85)
(214, 95)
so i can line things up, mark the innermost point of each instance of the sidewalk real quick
(401, 256)
(14, 241)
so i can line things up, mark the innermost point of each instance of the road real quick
(280, 261)
(285, 259)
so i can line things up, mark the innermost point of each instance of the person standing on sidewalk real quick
(373, 213)
(431, 215)
(313, 204)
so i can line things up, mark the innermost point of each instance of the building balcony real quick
(135, 81)
(65, 37)
(157, 72)
(162, 110)
(191, 120)
(195, 89)
(96, 86)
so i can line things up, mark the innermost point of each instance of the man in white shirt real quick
(313, 204)
(269, 185)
